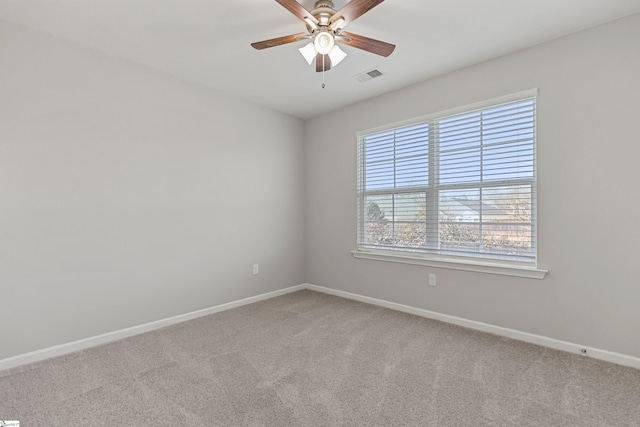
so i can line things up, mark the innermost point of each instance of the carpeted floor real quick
(310, 359)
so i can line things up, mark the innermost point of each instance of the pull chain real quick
(323, 85)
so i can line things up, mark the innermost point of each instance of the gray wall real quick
(128, 197)
(589, 207)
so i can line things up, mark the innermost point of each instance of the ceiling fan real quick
(325, 29)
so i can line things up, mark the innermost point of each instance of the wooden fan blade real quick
(353, 10)
(278, 41)
(365, 43)
(296, 8)
(323, 65)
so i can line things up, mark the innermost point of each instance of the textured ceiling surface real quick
(208, 42)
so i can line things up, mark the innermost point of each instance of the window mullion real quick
(432, 197)
(395, 186)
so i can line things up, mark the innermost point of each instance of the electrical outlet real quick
(256, 269)
(432, 279)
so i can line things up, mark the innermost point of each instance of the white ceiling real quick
(208, 41)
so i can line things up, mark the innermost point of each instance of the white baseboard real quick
(59, 350)
(620, 359)
(82, 344)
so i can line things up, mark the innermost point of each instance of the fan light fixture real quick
(310, 51)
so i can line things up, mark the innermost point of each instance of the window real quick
(459, 185)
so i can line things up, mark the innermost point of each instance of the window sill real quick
(489, 267)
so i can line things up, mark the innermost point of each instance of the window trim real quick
(479, 265)
(456, 262)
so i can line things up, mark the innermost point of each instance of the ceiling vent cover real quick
(368, 75)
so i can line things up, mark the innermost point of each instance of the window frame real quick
(493, 265)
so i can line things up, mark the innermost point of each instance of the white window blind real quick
(461, 185)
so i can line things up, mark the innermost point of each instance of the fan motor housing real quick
(323, 11)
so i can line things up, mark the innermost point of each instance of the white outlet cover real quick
(432, 279)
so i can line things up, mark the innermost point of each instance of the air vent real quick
(368, 75)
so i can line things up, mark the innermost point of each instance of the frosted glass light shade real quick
(324, 42)
(309, 52)
(336, 55)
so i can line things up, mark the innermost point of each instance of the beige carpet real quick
(310, 359)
